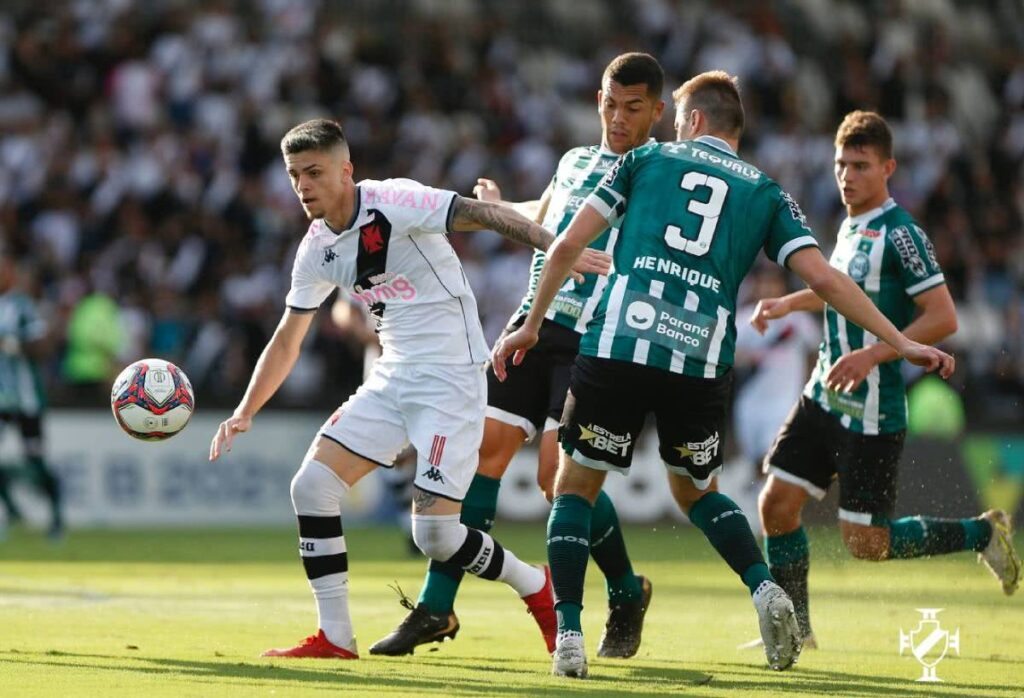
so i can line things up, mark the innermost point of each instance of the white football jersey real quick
(395, 257)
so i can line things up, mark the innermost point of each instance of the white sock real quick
(525, 579)
(316, 495)
(331, 594)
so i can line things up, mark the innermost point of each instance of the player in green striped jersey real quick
(693, 218)
(851, 421)
(23, 334)
(629, 104)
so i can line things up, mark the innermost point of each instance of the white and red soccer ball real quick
(152, 400)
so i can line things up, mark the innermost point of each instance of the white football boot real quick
(569, 658)
(999, 555)
(779, 628)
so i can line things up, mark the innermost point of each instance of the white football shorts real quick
(438, 408)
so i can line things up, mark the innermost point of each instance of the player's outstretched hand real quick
(226, 434)
(850, 371)
(515, 345)
(591, 261)
(768, 309)
(487, 190)
(929, 358)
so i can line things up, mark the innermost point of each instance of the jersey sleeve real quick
(788, 230)
(611, 195)
(919, 268)
(308, 290)
(413, 207)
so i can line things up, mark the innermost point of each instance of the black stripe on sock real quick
(319, 526)
(465, 555)
(323, 565)
(493, 570)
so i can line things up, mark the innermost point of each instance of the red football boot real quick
(541, 606)
(317, 646)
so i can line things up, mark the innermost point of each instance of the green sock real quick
(726, 528)
(920, 536)
(442, 582)
(789, 560)
(608, 548)
(568, 552)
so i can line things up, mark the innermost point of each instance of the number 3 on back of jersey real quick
(709, 211)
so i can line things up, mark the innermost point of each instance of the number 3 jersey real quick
(394, 256)
(893, 260)
(692, 219)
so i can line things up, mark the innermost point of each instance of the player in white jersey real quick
(629, 104)
(384, 243)
(779, 362)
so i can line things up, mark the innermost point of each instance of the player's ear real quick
(888, 167)
(659, 109)
(347, 170)
(600, 99)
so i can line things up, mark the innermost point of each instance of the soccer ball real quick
(152, 400)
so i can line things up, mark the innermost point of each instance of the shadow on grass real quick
(335, 675)
(607, 679)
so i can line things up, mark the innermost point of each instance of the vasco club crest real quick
(928, 642)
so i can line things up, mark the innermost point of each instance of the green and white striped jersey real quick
(893, 260)
(693, 219)
(579, 171)
(20, 386)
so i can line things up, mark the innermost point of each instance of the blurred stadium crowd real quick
(142, 191)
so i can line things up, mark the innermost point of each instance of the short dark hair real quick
(717, 95)
(316, 134)
(860, 129)
(636, 68)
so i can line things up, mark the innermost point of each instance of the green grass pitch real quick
(186, 613)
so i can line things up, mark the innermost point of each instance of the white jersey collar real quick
(873, 213)
(601, 150)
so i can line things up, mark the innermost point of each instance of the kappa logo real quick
(701, 452)
(329, 256)
(434, 475)
(371, 237)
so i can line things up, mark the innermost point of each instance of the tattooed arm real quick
(484, 215)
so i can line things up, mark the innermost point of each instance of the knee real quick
(438, 537)
(316, 490)
(866, 542)
(779, 513)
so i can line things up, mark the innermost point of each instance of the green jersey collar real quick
(716, 142)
